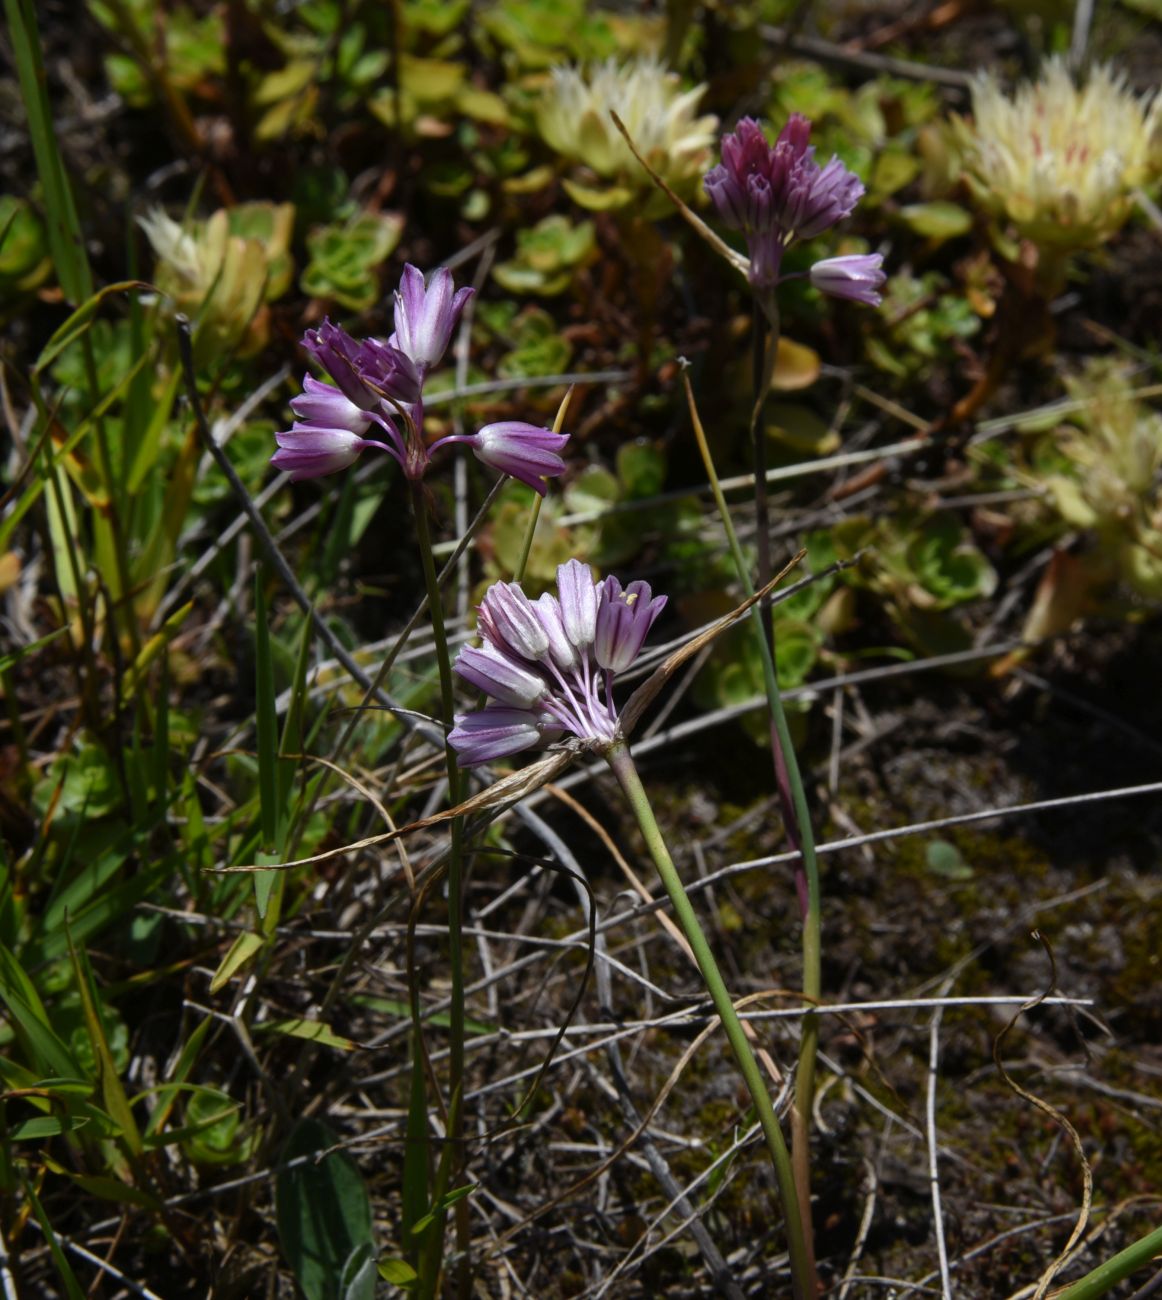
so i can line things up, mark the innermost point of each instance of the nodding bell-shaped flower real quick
(426, 316)
(328, 435)
(548, 665)
(524, 451)
(858, 276)
(497, 731)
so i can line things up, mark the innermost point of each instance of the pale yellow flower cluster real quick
(1116, 455)
(573, 117)
(1061, 161)
(221, 271)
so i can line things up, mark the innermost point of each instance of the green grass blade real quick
(63, 1268)
(266, 721)
(80, 321)
(65, 238)
(112, 1091)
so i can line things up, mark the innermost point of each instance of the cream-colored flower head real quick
(221, 270)
(1116, 448)
(182, 250)
(573, 117)
(1114, 444)
(1058, 160)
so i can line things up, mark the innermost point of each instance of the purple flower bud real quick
(366, 371)
(426, 317)
(828, 197)
(496, 732)
(857, 277)
(497, 675)
(523, 450)
(308, 451)
(624, 619)
(578, 594)
(511, 622)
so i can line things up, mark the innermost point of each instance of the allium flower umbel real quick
(778, 193)
(379, 390)
(548, 665)
(1058, 161)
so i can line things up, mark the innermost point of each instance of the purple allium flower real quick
(578, 603)
(777, 193)
(549, 664)
(382, 383)
(624, 619)
(497, 731)
(426, 317)
(858, 276)
(523, 450)
(306, 451)
(365, 370)
(506, 677)
(327, 436)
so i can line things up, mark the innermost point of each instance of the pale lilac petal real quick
(561, 649)
(322, 405)
(511, 621)
(495, 674)
(578, 596)
(306, 451)
(426, 317)
(496, 732)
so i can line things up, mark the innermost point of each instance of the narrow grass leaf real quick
(112, 1091)
(106, 1188)
(265, 694)
(11, 660)
(80, 321)
(65, 237)
(242, 951)
(60, 1262)
(155, 646)
(169, 1091)
(313, 1031)
(44, 1051)
(145, 458)
(416, 1158)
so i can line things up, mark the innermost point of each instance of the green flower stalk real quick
(548, 667)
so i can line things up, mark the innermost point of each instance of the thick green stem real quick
(802, 1267)
(455, 873)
